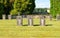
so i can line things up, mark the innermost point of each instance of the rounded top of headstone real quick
(19, 17)
(9, 15)
(29, 16)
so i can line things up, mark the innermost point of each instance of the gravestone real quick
(19, 20)
(42, 20)
(50, 17)
(3, 17)
(58, 17)
(30, 20)
(9, 17)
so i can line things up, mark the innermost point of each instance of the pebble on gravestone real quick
(3, 17)
(30, 20)
(42, 20)
(9, 17)
(19, 20)
(58, 17)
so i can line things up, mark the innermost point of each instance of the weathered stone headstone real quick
(30, 20)
(58, 17)
(9, 17)
(3, 17)
(19, 20)
(42, 20)
(50, 17)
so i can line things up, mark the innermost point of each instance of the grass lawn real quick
(10, 29)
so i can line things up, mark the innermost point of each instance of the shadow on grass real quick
(44, 25)
(37, 25)
(25, 25)
(48, 25)
(32, 25)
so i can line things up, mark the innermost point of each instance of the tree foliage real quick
(23, 6)
(55, 7)
(1, 8)
(5, 7)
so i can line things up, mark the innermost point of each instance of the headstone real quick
(24, 16)
(42, 20)
(19, 20)
(50, 17)
(3, 17)
(9, 17)
(58, 17)
(30, 20)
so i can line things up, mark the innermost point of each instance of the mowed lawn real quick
(10, 29)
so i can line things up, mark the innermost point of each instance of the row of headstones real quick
(50, 17)
(4, 17)
(10, 17)
(30, 20)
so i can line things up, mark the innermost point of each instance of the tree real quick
(1, 8)
(7, 7)
(23, 7)
(55, 7)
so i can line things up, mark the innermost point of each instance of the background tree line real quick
(40, 11)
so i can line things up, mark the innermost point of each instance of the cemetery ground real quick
(10, 29)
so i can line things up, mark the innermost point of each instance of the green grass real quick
(10, 29)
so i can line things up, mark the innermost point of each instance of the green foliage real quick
(55, 7)
(1, 1)
(24, 6)
(5, 7)
(6, 2)
(1, 8)
(13, 12)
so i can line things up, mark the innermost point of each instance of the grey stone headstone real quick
(3, 17)
(42, 20)
(58, 17)
(9, 17)
(19, 20)
(30, 20)
(50, 17)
